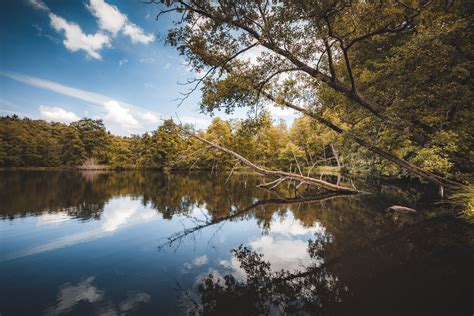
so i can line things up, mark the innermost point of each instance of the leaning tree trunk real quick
(431, 177)
(279, 175)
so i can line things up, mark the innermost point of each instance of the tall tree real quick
(94, 137)
(320, 56)
(73, 152)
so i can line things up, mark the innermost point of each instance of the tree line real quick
(303, 147)
(37, 143)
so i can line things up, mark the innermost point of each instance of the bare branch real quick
(272, 173)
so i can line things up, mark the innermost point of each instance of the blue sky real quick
(62, 60)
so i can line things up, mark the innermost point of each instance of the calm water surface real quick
(148, 243)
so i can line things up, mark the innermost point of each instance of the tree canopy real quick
(36, 143)
(393, 77)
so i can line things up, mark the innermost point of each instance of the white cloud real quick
(292, 227)
(108, 16)
(117, 114)
(285, 247)
(76, 40)
(57, 114)
(234, 264)
(52, 218)
(254, 53)
(92, 98)
(38, 4)
(198, 122)
(285, 254)
(167, 66)
(149, 117)
(70, 295)
(110, 19)
(278, 111)
(148, 60)
(133, 300)
(123, 61)
(137, 35)
(121, 212)
(111, 22)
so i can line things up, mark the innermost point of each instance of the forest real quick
(270, 143)
(37, 143)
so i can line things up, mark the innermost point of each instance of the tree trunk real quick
(280, 175)
(336, 155)
(431, 177)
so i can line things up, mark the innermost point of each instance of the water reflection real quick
(112, 243)
(398, 273)
(116, 213)
(70, 295)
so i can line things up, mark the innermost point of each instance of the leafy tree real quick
(365, 64)
(219, 132)
(73, 152)
(94, 137)
(167, 145)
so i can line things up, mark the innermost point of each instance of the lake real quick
(150, 243)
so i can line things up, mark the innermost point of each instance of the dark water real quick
(147, 243)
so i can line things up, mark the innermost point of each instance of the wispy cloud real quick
(38, 5)
(120, 114)
(123, 62)
(118, 213)
(92, 97)
(148, 60)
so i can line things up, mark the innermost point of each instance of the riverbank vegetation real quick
(304, 146)
(36, 143)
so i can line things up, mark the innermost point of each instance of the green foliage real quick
(73, 152)
(395, 74)
(26, 142)
(465, 201)
(94, 137)
(36, 143)
(167, 145)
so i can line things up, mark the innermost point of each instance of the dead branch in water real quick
(280, 176)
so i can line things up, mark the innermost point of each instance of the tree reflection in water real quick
(400, 272)
(367, 258)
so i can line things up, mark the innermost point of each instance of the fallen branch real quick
(276, 174)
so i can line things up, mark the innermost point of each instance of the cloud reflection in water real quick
(285, 247)
(118, 213)
(72, 294)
